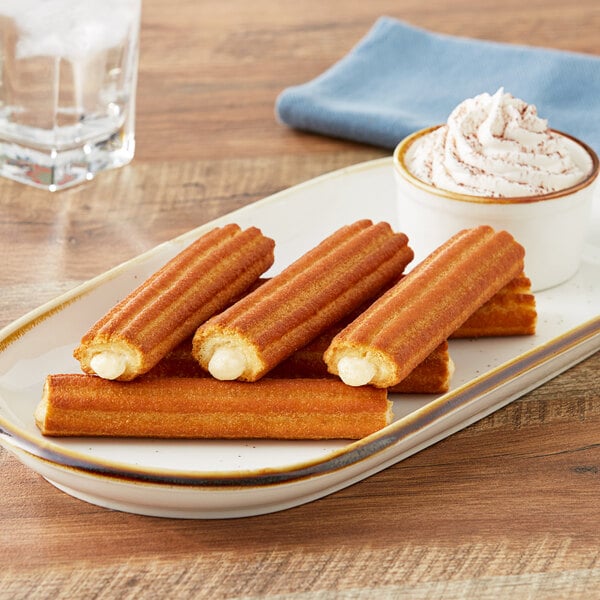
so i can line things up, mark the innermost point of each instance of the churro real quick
(432, 376)
(84, 405)
(510, 311)
(200, 281)
(285, 313)
(397, 332)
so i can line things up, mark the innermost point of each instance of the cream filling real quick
(227, 363)
(108, 364)
(356, 370)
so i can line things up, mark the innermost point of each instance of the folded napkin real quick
(400, 78)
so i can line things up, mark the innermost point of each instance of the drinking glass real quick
(68, 75)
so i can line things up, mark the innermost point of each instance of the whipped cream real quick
(496, 146)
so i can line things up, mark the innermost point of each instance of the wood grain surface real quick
(506, 508)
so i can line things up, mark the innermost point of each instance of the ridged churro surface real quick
(313, 293)
(201, 280)
(403, 326)
(510, 311)
(84, 405)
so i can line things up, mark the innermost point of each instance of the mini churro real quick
(432, 376)
(400, 329)
(85, 405)
(511, 311)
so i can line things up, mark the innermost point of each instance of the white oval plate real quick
(222, 479)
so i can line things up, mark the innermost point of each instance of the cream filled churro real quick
(204, 278)
(401, 328)
(285, 313)
(84, 405)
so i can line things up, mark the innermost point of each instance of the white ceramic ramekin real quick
(551, 227)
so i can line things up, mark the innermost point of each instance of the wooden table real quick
(506, 508)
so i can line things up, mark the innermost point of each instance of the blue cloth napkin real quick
(401, 78)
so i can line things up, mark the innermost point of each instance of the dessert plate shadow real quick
(226, 479)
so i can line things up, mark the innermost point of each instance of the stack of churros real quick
(343, 310)
(199, 282)
(281, 316)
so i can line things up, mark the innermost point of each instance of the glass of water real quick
(68, 74)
